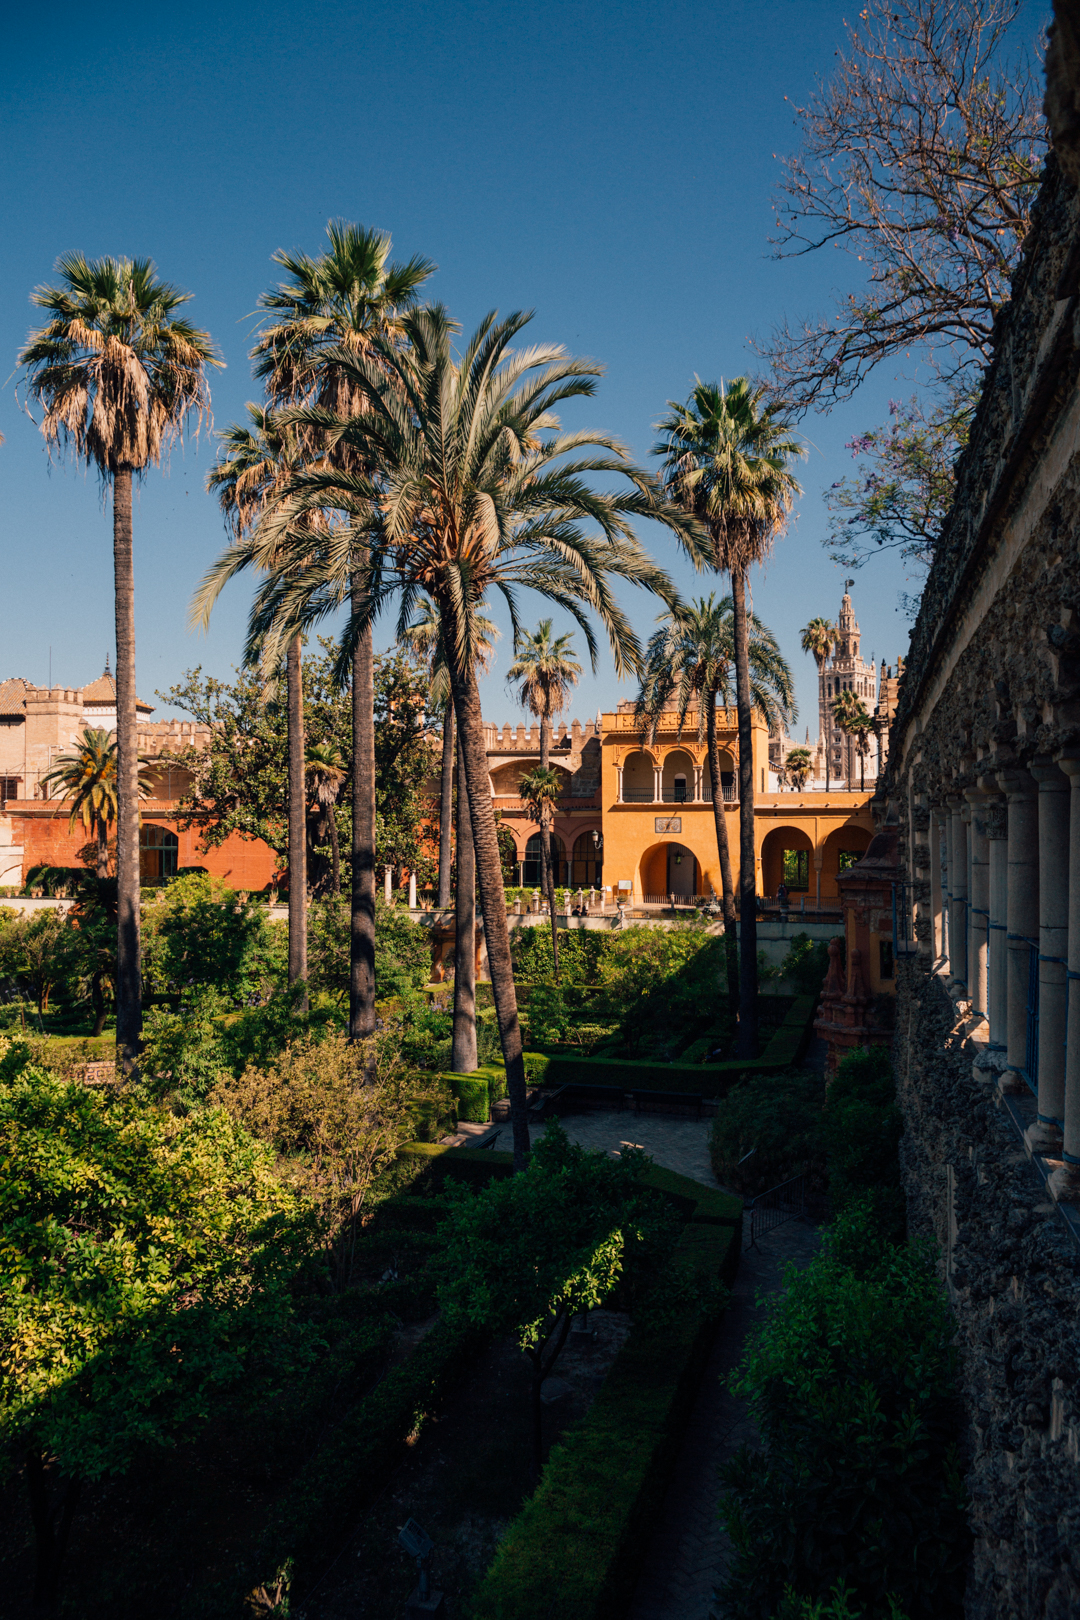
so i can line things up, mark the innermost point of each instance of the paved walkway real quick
(677, 1144)
(686, 1558)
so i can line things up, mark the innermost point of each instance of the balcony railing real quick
(671, 796)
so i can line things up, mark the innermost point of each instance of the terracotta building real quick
(37, 724)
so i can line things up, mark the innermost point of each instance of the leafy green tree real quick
(119, 377)
(472, 490)
(148, 1261)
(853, 718)
(198, 931)
(727, 457)
(30, 950)
(526, 1254)
(87, 776)
(324, 770)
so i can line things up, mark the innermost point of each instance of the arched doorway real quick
(678, 777)
(586, 862)
(787, 856)
(669, 869)
(159, 851)
(531, 865)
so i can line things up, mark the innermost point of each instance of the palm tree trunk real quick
(102, 830)
(128, 964)
(362, 926)
(747, 1039)
(731, 932)
(547, 883)
(463, 1050)
(294, 682)
(490, 880)
(825, 730)
(335, 853)
(446, 794)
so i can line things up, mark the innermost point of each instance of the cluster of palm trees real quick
(850, 713)
(394, 469)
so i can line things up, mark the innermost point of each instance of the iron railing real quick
(771, 1209)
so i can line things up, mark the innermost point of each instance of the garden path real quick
(685, 1563)
(677, 1144)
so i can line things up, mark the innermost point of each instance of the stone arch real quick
(669, 868)
(787, 855)
(638, 777)
(850, 841)
(677, 776)
(532, 861)
(586, 862)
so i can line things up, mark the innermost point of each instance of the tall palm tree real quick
(818, 638)
(690, 663)
(87, 776)
(343, 303)
(545, 672)
(119, 377)
(325, 771)
(540, 790)
(422, 637)
(254, 463)
(726, 460)
(476, 490)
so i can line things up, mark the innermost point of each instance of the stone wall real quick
(1013, 1274)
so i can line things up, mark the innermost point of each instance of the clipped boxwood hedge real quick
(472, 1097)
(575, 1550)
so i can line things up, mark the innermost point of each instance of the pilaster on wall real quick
(1013, 1277)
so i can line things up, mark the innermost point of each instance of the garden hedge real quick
(472, 1097)
(704, 1079)
(575, 1550)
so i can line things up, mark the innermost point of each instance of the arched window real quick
(531, 872)
(158, 852)
(587, 864)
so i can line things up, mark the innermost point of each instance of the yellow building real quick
(659, 835)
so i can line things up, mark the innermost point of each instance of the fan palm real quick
(818, 638)
(119, 377)
(690, 664)
(342, 303)
(853, 718)
(797, 767)
(545, 672)
(254, 463)
(476, 491)
(87, 776)
(325, 771)
(726, 460)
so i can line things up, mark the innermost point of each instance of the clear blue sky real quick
(609, 166)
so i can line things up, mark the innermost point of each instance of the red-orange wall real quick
(244, 863)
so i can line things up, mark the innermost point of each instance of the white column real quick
(698, 781)
(997, 995)
(1044, 1136)
(1065, 1182)
(386, 884)
(935, 884)
(412, 891)
(979, 910)
(658, 788)
(618, 784)
(957, 889)
(1023, 915)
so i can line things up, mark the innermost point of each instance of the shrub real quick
(806, 964)
(861, 1128)
(471, 1095)
(197, 931)
(766, 1130)
(335, 1125)
(402, 950)
(858, 1482)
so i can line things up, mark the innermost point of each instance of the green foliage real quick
(766, 1129)
(402, 949)
(472, 1097)
(850, 1383)
(861, 1129)
(147, 1266)
(30, 951)
(834, 1607)
(806, 964)
(199, 932)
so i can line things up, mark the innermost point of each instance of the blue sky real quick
(611, 167)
